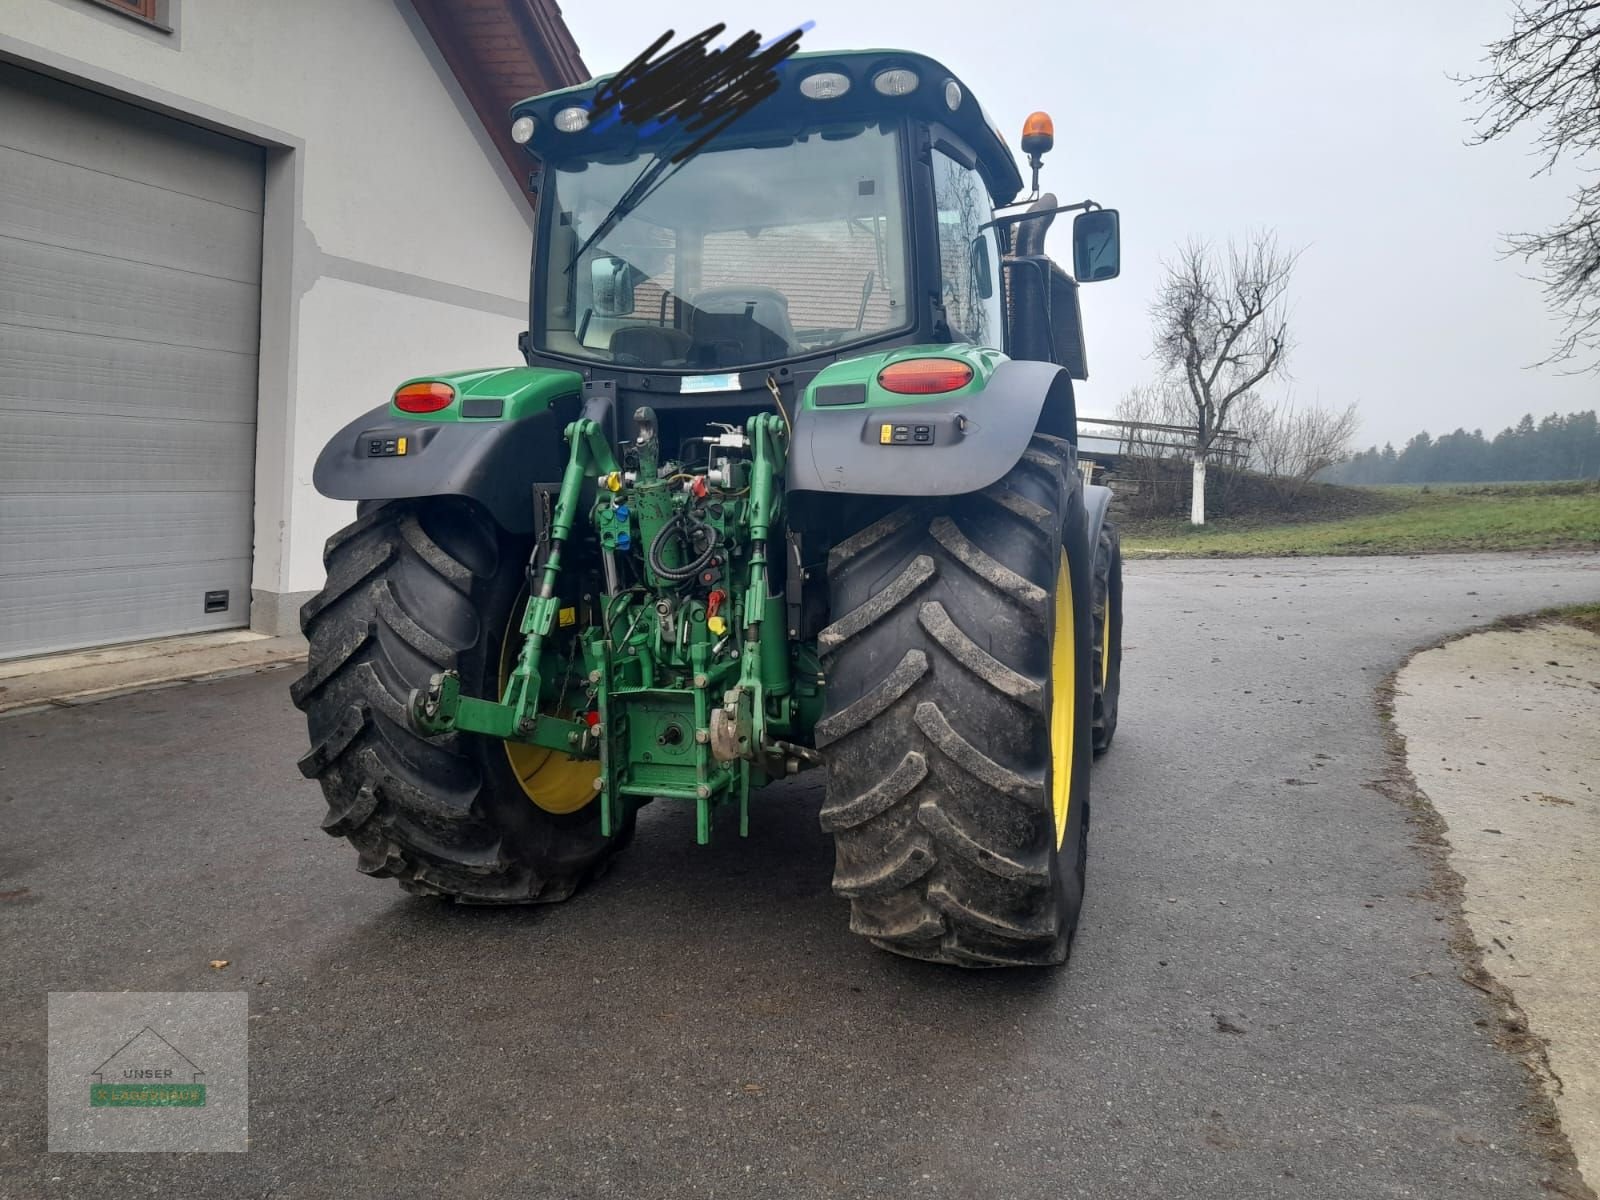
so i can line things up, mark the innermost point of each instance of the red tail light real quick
(925, 376)
(424, 397)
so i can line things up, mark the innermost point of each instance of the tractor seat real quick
(649, 345)
(738, 324)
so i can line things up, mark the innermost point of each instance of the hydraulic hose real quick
(689, 570)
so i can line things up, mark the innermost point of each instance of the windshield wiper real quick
(652, 177)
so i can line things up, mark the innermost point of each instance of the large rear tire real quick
(416, 587)
(958, 720)
(1107, 636)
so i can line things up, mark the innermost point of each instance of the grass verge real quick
(1584, 616)
(1467, 517)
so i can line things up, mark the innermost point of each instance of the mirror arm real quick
(1014, 218)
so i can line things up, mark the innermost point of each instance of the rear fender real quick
(851, 437)
(499, 439)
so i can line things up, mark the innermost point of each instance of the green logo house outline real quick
(159, 1091)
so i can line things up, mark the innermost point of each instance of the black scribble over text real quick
(707, 90)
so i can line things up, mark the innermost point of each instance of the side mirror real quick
(982, 276)
(611, 280)
(1096, 245)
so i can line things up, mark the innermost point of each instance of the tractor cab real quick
(853, 209)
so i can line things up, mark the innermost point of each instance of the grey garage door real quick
(130, 279)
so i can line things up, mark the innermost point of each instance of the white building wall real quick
(396, 242)
(443, 337)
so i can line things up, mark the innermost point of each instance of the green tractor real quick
(788, 480)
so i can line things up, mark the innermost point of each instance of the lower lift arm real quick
(443, 708)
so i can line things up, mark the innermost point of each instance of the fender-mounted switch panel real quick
(895, 434)
(923, 428)
(387, 447)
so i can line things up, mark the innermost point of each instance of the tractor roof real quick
(789, 107)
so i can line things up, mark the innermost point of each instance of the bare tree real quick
(1261, 423)
(1546, 73)
(1322, 437)
(1164, 402)
(1221, 328)
(1289, 440)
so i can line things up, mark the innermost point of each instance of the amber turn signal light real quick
(924, 376)
(424, 397)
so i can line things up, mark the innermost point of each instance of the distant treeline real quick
(1556, 448)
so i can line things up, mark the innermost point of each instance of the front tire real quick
(958, 720)
(416, 587)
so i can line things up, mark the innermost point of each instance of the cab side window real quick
(969, 259)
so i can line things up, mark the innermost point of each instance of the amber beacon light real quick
(1038, 134)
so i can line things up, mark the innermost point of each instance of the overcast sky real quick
(1336, 125)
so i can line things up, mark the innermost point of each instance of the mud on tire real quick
(415, 587)
(937, 726)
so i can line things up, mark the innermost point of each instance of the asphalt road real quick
(1260, 1001)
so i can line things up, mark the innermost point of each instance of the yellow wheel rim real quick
(1063, 701)
(557, 783)
(554, 782)
(1105, 645)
